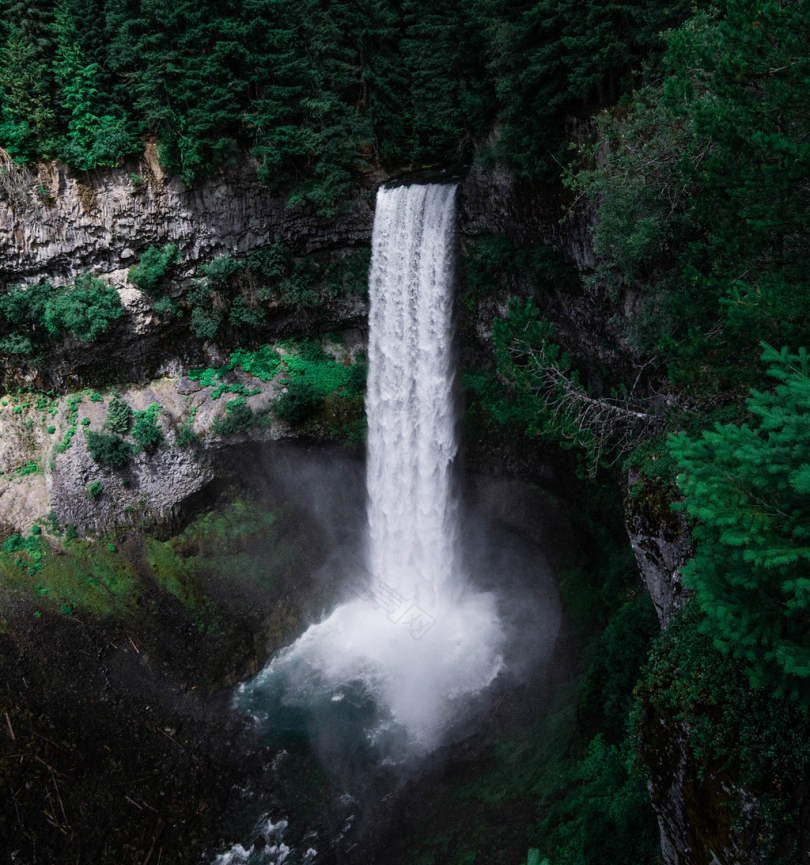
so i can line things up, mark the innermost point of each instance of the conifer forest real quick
(199, 243)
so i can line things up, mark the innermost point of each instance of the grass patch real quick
(238, 543)
(86, 577)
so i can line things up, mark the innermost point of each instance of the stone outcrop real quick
(705, 816)
(661, 542)
(46, 470)
(101, 221)
(494, 201)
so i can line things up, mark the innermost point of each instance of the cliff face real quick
(102, 222)
(661, 542)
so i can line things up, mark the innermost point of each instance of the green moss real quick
(219, 546)
(85, 576)
(264, 364)
(72, 417)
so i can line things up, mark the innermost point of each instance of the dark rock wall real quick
(100, 221)
(661, 542)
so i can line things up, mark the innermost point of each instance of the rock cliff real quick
(101, 221)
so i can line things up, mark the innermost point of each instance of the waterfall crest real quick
(417, 640)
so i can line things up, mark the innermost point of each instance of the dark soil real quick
(110, 754)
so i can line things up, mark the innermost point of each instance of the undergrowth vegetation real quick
(243, 293)
(319, 388)
(568, 786)
(62, 573)
(234, 299)
(36, 316)
(738, 733)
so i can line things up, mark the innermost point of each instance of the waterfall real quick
(417, 641)
(412, 437)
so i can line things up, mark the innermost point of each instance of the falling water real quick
(418, 640)
(411, 421)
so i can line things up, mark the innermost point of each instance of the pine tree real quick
(26, 78)
(747, 489)
(97, 133)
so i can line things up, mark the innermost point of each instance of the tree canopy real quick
(314, 89)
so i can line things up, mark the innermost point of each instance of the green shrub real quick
(243, 315)
(762, 738)
(186, 437)
(17, 542)
(618, 654)
(298, 404)
(108, 450)
(165, 305)
(349, 275)
(220, 270)
(32, 314)
(95, 489)
(356, 376)
(239, 418)
(119, 416)
(17, 343)
(205, 323)
(299, 287)
(608, 816)
(153, 268)
(145, 429)
(84, 310)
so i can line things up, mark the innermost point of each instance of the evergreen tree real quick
(446, 51)
(95, 136)
(748, 491)
(702, 202)
(26, 78)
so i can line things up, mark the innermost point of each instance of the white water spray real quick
(419, 640)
